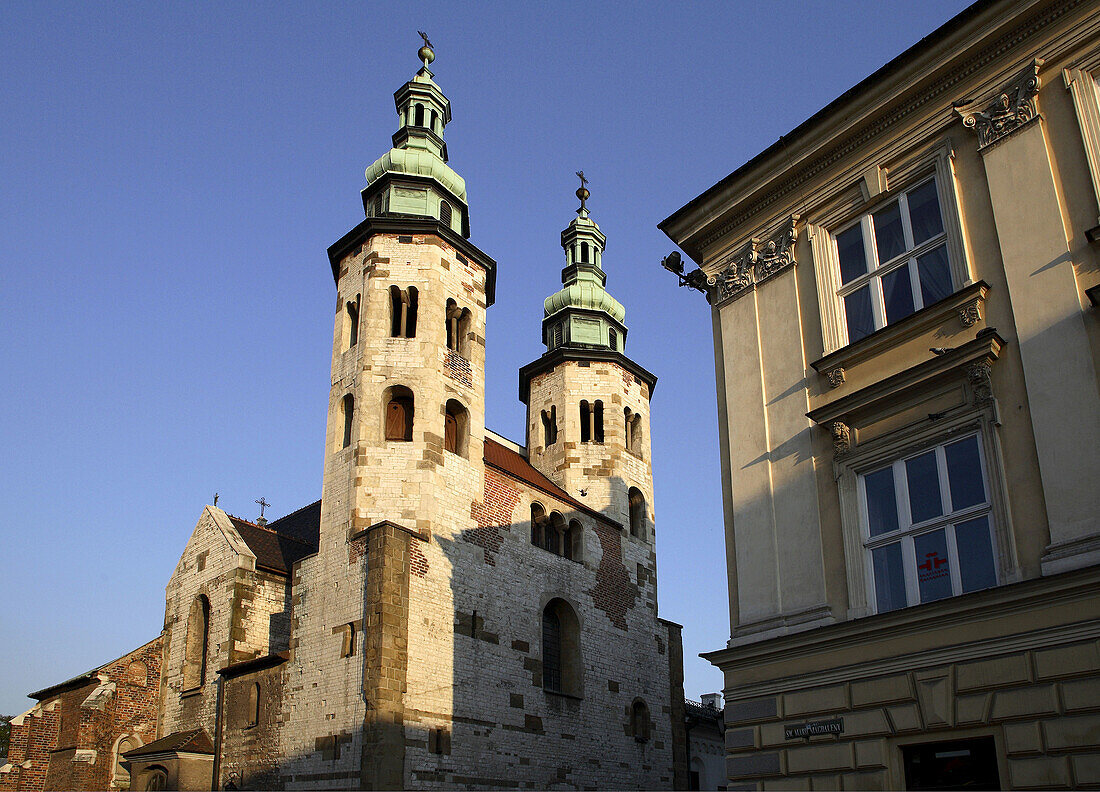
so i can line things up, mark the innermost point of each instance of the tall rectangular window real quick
(893, 261)
(927, 526)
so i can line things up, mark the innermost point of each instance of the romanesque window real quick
(399, 413)
(254, 704)
(194, 657)
(549, 426)
(562, 670)
(591, 422)
(457, 429)
(348, 409)
(893, 261)
(636, 502)
(403, 312)
(154, 779)
(458, 328)
(632, 423)
(347, 642)
(539, 525)
(574, 541)
(353, 322)
(612, 338)
(927, 526)
(445, 213)
(639, 720)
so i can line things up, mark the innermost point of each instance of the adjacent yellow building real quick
(904, 296)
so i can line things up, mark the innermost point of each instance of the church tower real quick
(587, 402)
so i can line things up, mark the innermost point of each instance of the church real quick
(456, 610)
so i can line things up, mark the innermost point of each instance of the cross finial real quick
(582, 192)
(215, 499)
(263, 505)
(426, 53)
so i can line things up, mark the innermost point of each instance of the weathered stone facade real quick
(71, 739)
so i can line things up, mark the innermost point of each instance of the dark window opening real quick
(639, 720)
(584, 252)
(399, 414)
(353, 322)
(586, 422)
(562, 669)
(254, 704)
(419, 117)
(403, 303)
(597, 422)
(550, 426)
(612, 338)
(636, 503)
(456, 429)
(956, 764)
(378, 205)
(445, 213)
(458, 328)
(349, 419)
(539, 524)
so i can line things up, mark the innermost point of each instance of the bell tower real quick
(587, 402)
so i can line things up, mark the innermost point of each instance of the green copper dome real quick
(582, 313)
(413, 178)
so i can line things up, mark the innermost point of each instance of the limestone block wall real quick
(605, 470)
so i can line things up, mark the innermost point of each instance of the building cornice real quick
(414, 225)
(730, 203)
(558, 356)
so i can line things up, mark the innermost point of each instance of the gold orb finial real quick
(582, 192)
(426, 53)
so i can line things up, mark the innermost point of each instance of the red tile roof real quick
(279, 544)
(516, 465)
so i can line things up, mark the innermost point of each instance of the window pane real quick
(889, 238)
(935, 275)
(849, 248)
(897, 294)
(964, 473)
(882, 509)
(924, 487)
(924, 212)
(975, 554)
(857, 312)
(889, 577)
(933, 570)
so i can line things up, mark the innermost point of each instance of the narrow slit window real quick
(586, 422)
(597, 422)
(636, 502)
(353, 322)
(349, 419)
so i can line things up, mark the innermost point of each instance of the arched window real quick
(399, 413)
(353, 322)
(419, 118)
(558, 334)
(253, 710)
(435, 117)
(612, 338)
(458, 328)
(457, 431)
(574, 541)
(555, 534)
(194, 656)
(120, 775)
(550, 426)
(635, 431)
(586, 422)
(562, 670)
(584, 252)
(154, 779)
(639, 720)
(626, 425)
(597, 422)
(637, 512)
(403, 312)
(538, 524)
(445, 213)
(349, 419)
(347, 646)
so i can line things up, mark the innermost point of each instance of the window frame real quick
(899, 445)
(850, 203)
(1082, 80)
(907, 532)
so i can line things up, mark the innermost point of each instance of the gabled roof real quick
(82, 679)
(279, 544)
(515, 465)
(192, 741)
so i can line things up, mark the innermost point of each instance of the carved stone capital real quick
(842, 437)
(970, 313)
(980, 380)
(1013, 107)
(777, 253)
(735, 277)
(835, 377)
(757, 260)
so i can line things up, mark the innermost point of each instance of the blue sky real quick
(173, 173)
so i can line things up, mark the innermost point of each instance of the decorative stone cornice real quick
(757, 261)
(1013, 107)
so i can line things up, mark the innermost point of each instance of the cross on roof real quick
(263, 505)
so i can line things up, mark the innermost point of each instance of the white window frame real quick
(907, 531)
(1082, 80)
(850, 206)
(902, 444)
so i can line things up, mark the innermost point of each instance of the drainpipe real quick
(215, 782)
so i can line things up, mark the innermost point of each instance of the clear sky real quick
(171, 175)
